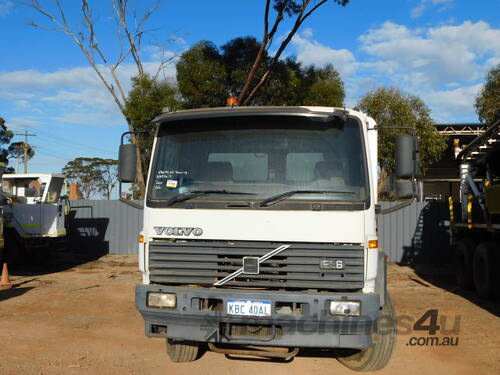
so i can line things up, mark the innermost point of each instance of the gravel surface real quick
(70, 318)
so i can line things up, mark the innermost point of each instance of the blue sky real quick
(439, 50)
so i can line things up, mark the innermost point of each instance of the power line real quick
(60, 141)
(58, 138)
(71, 142)
(57, 155)
(74, 145)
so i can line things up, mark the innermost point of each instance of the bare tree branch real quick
(94, 46)
(119, 35)
(163, 64)
(302, 15)
(121, 7)
(61, 12)
(87, 41)
(267, 37)
(140, 27)
(34, 24)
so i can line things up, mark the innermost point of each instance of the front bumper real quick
(314, 328)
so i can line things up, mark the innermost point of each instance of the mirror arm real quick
(131, 203)
(135, 132)
(122, 138)
(413, 129)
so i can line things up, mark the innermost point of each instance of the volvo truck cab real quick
(260, 235)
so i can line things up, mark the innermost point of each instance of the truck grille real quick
(298, 267)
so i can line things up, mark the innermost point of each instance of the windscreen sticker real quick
(172, 184)
(168, 179)
(169, 173)
(163, 174)
(182, 173)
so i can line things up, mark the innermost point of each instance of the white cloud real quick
(91, 118)
(83, 98)
(23, 81)
(23, 122)
(307, 33)
(22, 104)
(449, 104)
(422, 6)
(433, 56)
(35, 79)
(6, 7)
(310, 52)
(158, 53)
(73, 96)
(445, 65)
(168, 51)
(15, 95)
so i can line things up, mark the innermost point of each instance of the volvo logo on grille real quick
(178, 231)
(251, 265)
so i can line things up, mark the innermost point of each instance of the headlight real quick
(345, 308)
(162, 300)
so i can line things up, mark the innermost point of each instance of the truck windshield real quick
(261, 157)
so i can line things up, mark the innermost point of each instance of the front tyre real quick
(182, 351)
(383, 339)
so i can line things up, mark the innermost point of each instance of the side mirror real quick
(407, 156)
(127, 163)
(407, 166)
(405, 189)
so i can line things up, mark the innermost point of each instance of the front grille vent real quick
(298, 267)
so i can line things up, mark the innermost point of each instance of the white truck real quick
(260, 235)
(34, 214)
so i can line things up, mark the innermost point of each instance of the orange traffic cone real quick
(4, 281)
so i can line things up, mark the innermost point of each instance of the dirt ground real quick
(82, 320)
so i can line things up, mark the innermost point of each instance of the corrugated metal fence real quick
(104, 226)
(414, 234)
(409, 235)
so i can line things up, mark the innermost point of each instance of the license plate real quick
(248, 307)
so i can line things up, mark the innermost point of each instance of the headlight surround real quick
(345, 308)
(160, 300)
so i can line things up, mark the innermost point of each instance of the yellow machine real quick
(475, 232)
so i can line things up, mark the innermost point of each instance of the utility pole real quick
(26, 148)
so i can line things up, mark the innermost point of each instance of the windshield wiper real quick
(198, 193)
(279, 197)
